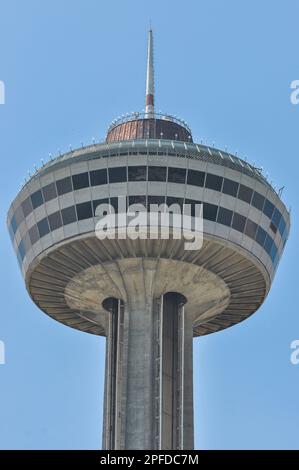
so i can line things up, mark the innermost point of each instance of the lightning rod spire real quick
(150, 86)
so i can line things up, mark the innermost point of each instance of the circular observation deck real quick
(148, 126)
(69, 272)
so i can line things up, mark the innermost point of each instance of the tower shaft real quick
(148, 381)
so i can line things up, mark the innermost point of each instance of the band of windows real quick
(150, 173)
(86, 210)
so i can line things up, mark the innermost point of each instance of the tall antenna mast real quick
(150, 86)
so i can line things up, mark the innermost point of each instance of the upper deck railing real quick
(143, 115)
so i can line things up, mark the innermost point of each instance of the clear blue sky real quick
(70, 67)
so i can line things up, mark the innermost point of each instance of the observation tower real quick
(148, 297)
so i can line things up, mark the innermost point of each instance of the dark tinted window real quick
(268, 244)
(260, 236)
(33, 234)
(209, 211)
(37, 199)
(268, 208)
(117, 175)
(98, 177)
(192, 204)
(137, 173)
(156, 200)
(137, 200)
(250, 229)
(80, 181)
(282, 226)
(258, 200)
(27, 206)
(230, 187)
(273, 227)
(213, 182)
(239, 222)
(114, 203)
(21, 249)
(174, 200)
(64, 185)
(43, 227)
(55, 220)
(68, 215)
(176, 175)
(273, 252)
(157, 173)
(276, 217)
(196, 178)
(13, 224)
(224, 216)
(84, 210)
(49, 191)
(98, 202)
(245, 193)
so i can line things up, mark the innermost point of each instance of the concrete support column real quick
(176, 375)
(148, 400)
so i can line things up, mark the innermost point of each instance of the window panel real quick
(268, 244)
(157, 200)
(64, 185)
(98, 177)
(49, 192)
(273, 227)
(273, 252)
(43, 227)
(176, 175)
(260, 236)
(209, 211)
(276, 217)
(192, 203)
(68, 215)
(84, 210)
(21, 250)
(33, 234)
(13, 224)
(196, 178)
(258, 201)
(174, 200)
(157, 173)
(230, 187)
(282, 226)
(117, 175)
(245, 193)
(114, 203)
(213, 182)
(27, 242)
(268, 208)
(37, 199)
(239, 222)
(26, 206)
(137, 173)
(137, 200)
(98, 202)
(225, 216)
(250, 229)
(19, 215)
(80, 181)
(55, 220)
